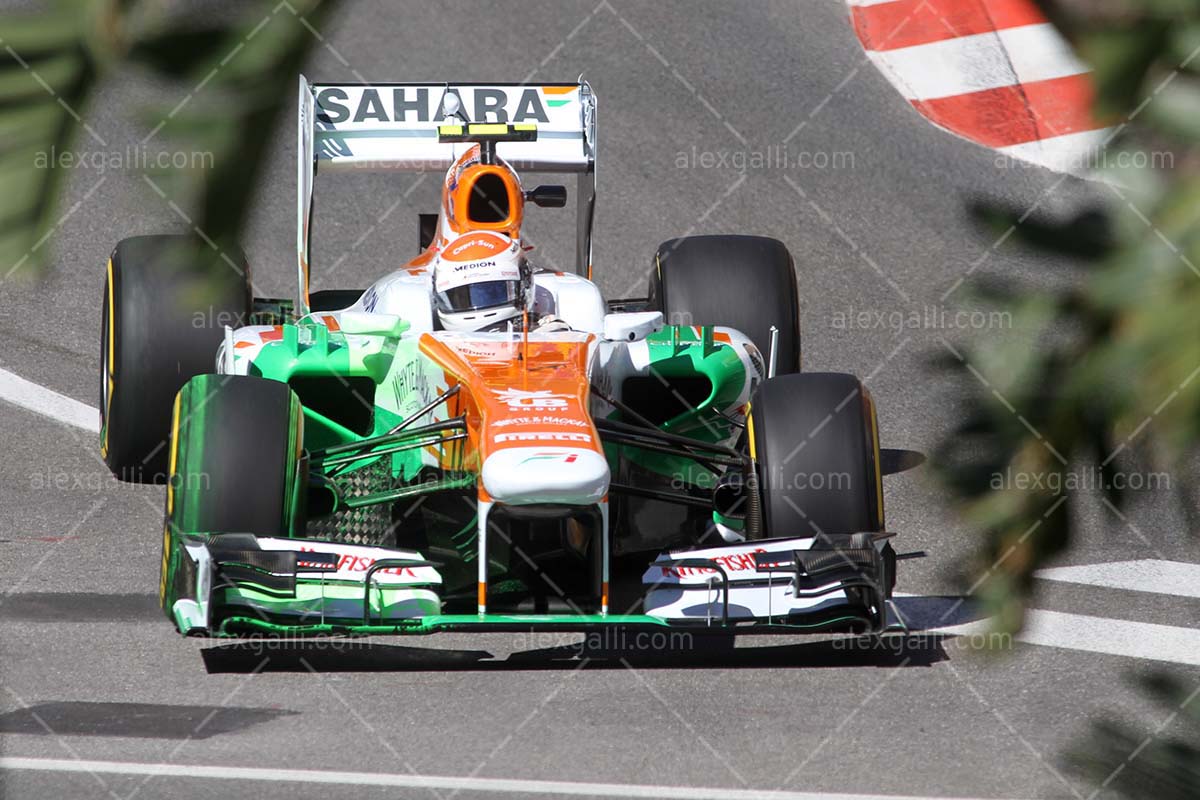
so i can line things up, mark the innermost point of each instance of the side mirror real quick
(548, 196)
(632, 326)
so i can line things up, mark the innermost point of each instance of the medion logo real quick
(410, 104)
(474, 265)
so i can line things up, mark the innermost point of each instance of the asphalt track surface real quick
(884, 233)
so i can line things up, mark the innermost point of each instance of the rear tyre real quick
(743, 282)
(235, 457)
(166, 302)
(815, 446)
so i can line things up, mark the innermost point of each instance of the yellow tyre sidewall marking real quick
(166, 555)
(174, 455)
(108, 376)
(750, 431)
(875, 447)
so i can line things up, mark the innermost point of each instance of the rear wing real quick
(394, 126)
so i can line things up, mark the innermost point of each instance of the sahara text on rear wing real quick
(394, 126)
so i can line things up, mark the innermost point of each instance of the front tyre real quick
(235, 467)
(166, 302)
(235, 450)
(815, 446)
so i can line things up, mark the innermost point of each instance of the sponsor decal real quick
(734, 562)
(544, 436)
(538, 400)
(562, 458)
(572, 422)
(335, 104)
(349, 562)
(411, 381)
(756, 358)
(474, 265)
(475, 349)
(491, 243)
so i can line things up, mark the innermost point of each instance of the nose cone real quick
(527, 475)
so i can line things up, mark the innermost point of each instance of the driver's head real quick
(480, 281)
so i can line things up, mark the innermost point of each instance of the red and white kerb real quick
(993, 71)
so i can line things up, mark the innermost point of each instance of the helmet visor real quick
(478, 296)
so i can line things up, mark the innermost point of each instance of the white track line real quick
(509, 785)
(984, 61)
(1115, 637)
(47, 402)
(1148, 575)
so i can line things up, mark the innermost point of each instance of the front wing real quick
(238, 584)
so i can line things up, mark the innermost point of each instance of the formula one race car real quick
(474, 442)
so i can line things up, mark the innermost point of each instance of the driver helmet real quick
(481, 281)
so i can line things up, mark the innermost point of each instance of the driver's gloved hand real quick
(549, 323)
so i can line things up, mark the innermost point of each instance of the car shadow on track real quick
(615, 648)
(682, 650)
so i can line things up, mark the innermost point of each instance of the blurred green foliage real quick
(1106, 373)
(1162, 762)
(233, 76)
(1103, 374)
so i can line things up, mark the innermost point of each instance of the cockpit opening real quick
(489, 200)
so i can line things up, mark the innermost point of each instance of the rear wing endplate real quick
(394, 126)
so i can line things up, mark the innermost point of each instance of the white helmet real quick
(480, 280)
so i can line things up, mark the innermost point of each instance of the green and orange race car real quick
(382, 461)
